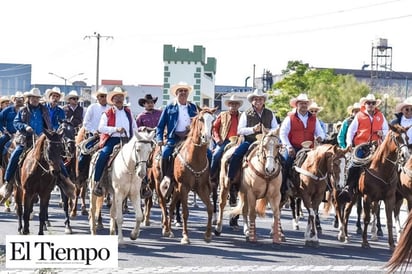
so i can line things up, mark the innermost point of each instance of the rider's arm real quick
(161, 126)
(351, 132)
(342, 134)
(284, 132)
(241, 128)
(216, 129)
(319, 132)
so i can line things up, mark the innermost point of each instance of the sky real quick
(243, 35)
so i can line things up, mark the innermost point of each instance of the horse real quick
(128, 171)
(190, 172)
(38, 175)
(379, 181)
(261, 179)
(323, 166)
(402, 255)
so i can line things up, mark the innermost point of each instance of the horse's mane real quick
(80, 135)
(317, 153)
(38, 149)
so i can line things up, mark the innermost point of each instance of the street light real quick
(65, 79)
(401, 74)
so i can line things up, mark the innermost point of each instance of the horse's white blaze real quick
(270, 158)
(404, 149)
(207, 134)
(342, 167)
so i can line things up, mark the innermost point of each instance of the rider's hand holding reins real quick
(257, 128)
(120, 130)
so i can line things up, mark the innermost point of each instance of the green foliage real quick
(333, 92)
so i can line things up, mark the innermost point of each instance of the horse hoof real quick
(283, 238)
(218, 233)
(99, 226)
(208, 239)
(374, 238)
(335, 224)
(214, 222)
(276, 245)
(251, 240)
(133, 236)
(296, 227)
(366, 245)
(68, 230)
(147, 223)
(380, 233)
(319, 230)
(48, 224)
(359, 231)
(185, 241)
(165, 233)
(84, 211)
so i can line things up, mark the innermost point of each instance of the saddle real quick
(116, 150)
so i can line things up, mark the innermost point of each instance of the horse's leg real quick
(214, 199)
(113, 218)
(73, 203)
(44, 204)
(396, 212)
(317, 222)
(178, 219)
(83, 191)
(204, 194)
(185, 215)
(378, 220)
(135, 199)
(67, 228)
(359, 211)
(389, 205)
(366, 220)
(274, 201)
(148, 207)
(347, 208)
(99, 206)
(295, 218)
(224, 191)
(27, 208)
(19, 209)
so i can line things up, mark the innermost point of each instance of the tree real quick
(331, 91)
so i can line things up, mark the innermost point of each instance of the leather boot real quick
(5, 191)
(68, 187)
(97, 189)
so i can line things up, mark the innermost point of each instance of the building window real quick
(196, 75)
(205, 101)
(198, 69)
(166, 68)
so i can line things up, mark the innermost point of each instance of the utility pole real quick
(98, 36)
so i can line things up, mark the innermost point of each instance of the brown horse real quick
(323, 166)
(190, 172)
(379, 181)
(261, 182)
(39, 173)
(402, 255)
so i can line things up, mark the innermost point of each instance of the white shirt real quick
(183, 120)
(121, 122)
(406, 122)
(243, 130)
(285, 129)
(92, 117)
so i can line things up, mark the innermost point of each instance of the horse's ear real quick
(265, 130)
(199, 109)
(152, 134)
(48, 133)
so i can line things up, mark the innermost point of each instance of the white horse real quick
(128, 170)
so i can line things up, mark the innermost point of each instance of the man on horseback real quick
(250, 124)
(299, 126)
(30, 121)
(352, 110)
(116, 125)
(74, 112)
(176, 116)
(149, 118)
(369, 125)
(403, 114)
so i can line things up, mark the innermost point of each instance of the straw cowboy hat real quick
(101, 91)
(370, 98)
(355, 106)
(314, 106)
(233, 99)
(147, 97)
(4, 99)
(34, 92)
(180, 85)
(303, 97)
(256, 93)
(18, 94)
(71, 94)
(405, 103)
(54, 90)
(114, 92)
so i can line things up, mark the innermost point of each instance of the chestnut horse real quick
(39, 172)
(190, 172)
(261, 182)
(379, 181)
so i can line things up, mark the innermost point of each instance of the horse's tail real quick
(261, 207)
(402, 255)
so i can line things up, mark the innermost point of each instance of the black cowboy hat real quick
(147, 97)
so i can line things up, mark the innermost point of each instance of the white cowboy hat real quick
(233, 99)
(4, 99)
(303, 97)
(370, 98)
(256, 93)
(180, 85)
(314, 106)
(71, 94)
(355, 106)
(18, 94)
(115, 91)
(34, 92)
(54, 90)
(400, 106)
(101, 91)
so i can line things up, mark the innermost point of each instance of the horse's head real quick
(337, 166)
(201, 127)
(398, 135)
(69, 134)
(53, 150)
(142, 149)
(268, 150)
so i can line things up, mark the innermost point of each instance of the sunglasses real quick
(101, 96)
(408, 109)
(313, 111)
(74, 98)
(371, 103)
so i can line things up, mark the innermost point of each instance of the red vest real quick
(367, 129)
(298, 133)
(111, 122)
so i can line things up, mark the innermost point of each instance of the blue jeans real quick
(13, 162)
(217, 156)
(236, 160)
(84, 160)
(104, 157)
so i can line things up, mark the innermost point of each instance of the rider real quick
(403, 113)
(4, 102)
(74, 112)
(368, 125)
(299, 126)
(148, 118)
(176, 116)
(56, 113)
(224, 128)
(250, 124)
(116, 125)
(30, 120)
(352, 110)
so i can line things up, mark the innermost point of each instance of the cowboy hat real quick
(314, 106)
(101, 91)
(54, 90)
(34, 92)
(256, 93)
(180, 85)
(303, 97)
(18, 94)
(370, 98)
(355, 106)
(233, 99)
(71, 94)
(114, 92)
(4, 99)
(147, 97)
(400, 106)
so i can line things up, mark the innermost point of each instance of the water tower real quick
(381, 64)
